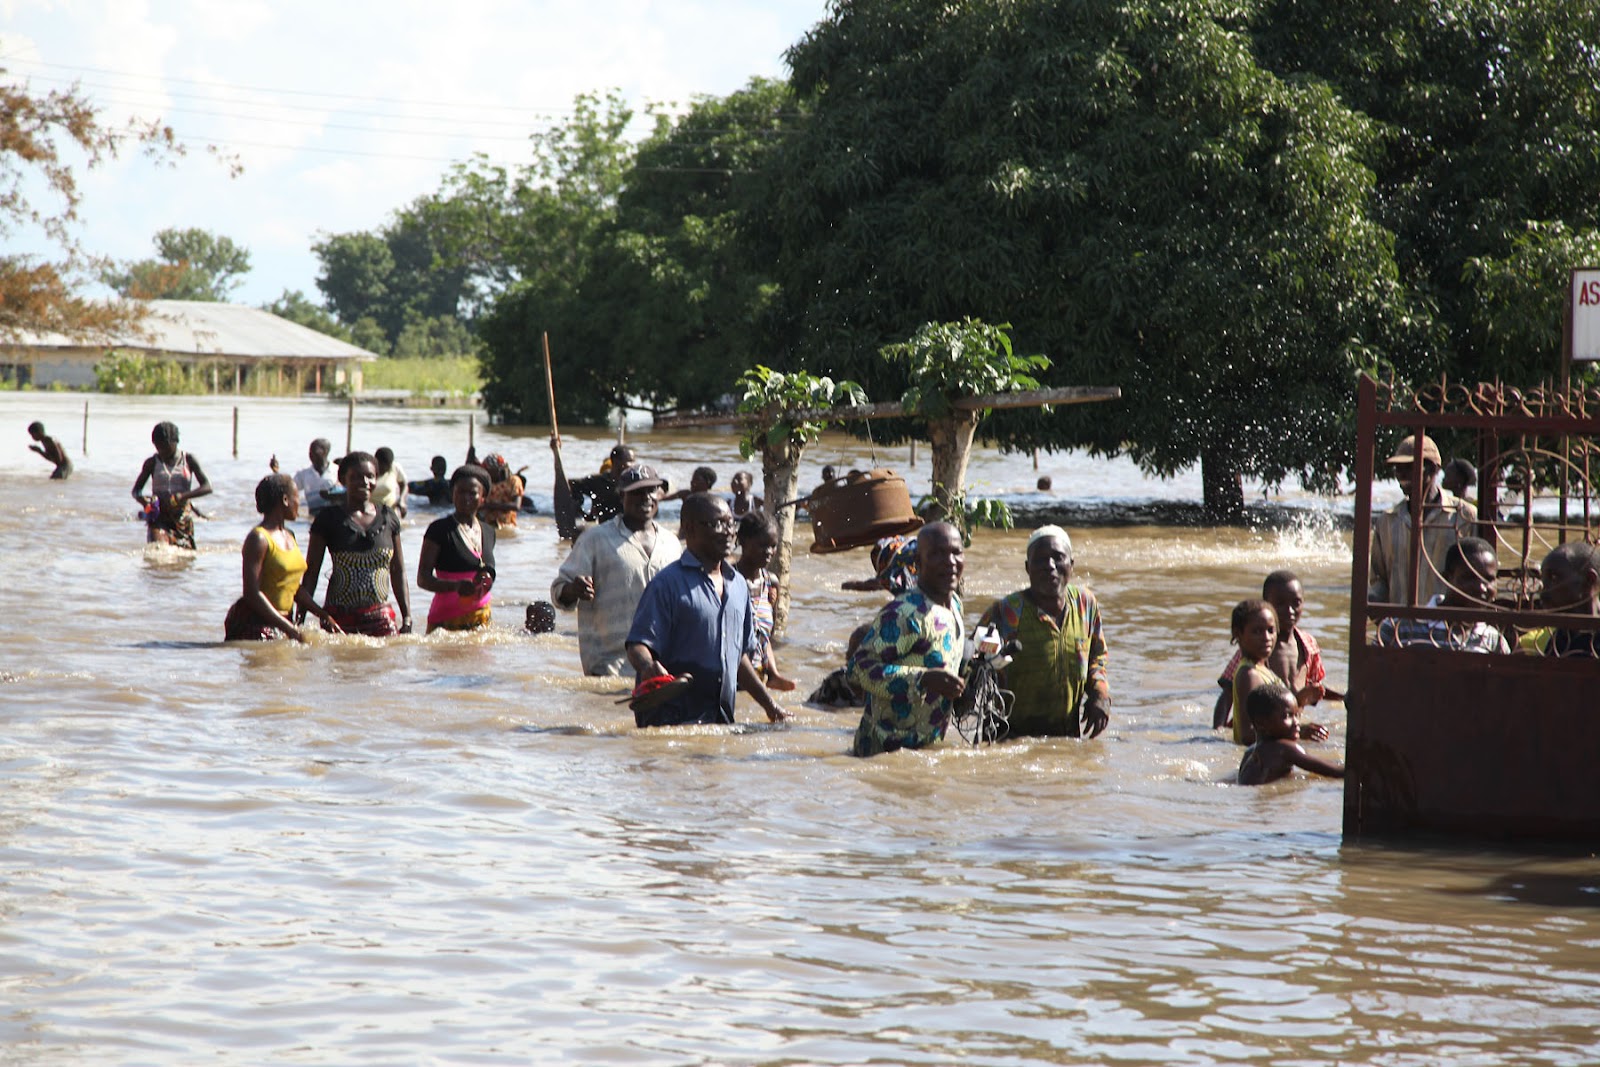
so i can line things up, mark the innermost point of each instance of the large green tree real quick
(671, 288)
(190, 264)
(550, 214)
(1488, 159)
(406, 271)
(1128, 186)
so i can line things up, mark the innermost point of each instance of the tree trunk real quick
(780, 476)
(1224, 487)
(952, 447)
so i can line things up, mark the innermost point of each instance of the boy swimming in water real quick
(50, 449)
(1272, 710)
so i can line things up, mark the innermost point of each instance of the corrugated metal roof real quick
(204, 328)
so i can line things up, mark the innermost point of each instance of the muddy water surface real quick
(455, 849)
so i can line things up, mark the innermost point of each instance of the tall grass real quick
(457, 376)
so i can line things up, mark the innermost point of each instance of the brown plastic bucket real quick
(859, 509)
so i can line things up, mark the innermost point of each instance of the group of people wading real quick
(694, 628)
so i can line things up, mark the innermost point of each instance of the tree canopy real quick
(670, 287)
(1487, 162)
(190, 264)
(1125, 184)
(1224, 207)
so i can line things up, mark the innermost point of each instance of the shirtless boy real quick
(1277, 752)
(50, 449)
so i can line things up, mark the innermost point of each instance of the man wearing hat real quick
(1059, 674)
(1445, 520)
(608, 568)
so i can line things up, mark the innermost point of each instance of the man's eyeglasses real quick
(727, 525)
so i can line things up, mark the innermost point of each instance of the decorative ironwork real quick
(1495, 400)
(1538, 453)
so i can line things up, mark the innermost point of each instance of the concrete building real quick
(234, 349)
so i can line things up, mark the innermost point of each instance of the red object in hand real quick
(650, 685)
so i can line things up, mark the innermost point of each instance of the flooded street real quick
(456, 849)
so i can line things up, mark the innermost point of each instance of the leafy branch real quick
(946, 360)
(778, 400)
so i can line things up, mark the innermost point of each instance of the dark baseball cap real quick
(640, 477)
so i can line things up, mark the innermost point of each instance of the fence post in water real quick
(86, 427)
(350, 423)
(235, 433)
(913, 461)
(472, 433)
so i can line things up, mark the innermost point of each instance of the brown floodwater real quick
(455, 849)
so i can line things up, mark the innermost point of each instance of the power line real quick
(549, 113)
(193, 140)
(464, 106)
(120, 89)
(199, 140)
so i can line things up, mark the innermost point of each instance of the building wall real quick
(44, 367)
(73, 368)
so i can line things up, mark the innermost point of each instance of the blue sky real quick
(342, 111)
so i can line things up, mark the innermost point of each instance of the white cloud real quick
(342, 112)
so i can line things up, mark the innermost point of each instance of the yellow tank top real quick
(281, 571)
(1267, 674)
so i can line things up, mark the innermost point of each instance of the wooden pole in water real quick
(472, 433)
(235, 433)
(566, 508)
(350, 424)
(913, 461)
(86, 427)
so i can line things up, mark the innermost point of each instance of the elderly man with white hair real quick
(1059, 675)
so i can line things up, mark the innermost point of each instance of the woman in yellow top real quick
(1255, 629)
(273, 567)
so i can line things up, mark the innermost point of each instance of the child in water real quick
(1272, 710)
(1255, 629)
(50, 449)
(1295, 658)
(175, 479)
(1470, 566)
(758, 543)
(743, 500)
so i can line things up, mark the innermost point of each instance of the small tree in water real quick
(949, 360)
(778, 404)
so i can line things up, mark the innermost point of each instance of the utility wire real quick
(200, 141)
(213, 99)
(296, 92)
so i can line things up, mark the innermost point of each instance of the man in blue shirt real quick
(694, 618)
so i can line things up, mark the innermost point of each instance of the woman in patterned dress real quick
(363, 540)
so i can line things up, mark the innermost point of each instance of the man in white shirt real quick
(608, 568)
(317, 478)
